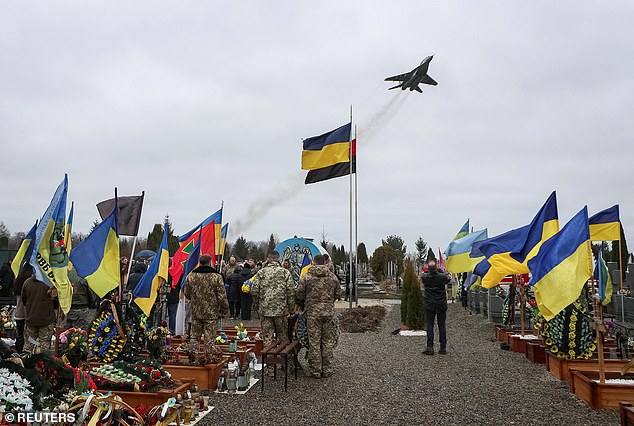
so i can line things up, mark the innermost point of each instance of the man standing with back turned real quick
(205, 290)
(317, 291)
(273, 292)
(435, 283)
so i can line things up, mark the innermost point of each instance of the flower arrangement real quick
(73, 342)
(142, 375)
(156, 341)
(222, 338)
(241, 331)
(136, 334)
(5, 319)
(15, 392)
(569, 335)
(105, 341)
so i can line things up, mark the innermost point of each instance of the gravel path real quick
(384, 379)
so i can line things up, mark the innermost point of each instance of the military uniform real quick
(317, 291)
(205, 291)
(273, 292)
(81, 313)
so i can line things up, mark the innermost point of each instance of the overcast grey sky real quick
(198, 102)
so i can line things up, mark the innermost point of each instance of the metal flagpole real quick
(356, 217)
(350, 283)
(621, 277)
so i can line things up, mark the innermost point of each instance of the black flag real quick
(129, 212)
(430, 255)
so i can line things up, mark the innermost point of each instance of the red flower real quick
(148, 369)
(156, 374)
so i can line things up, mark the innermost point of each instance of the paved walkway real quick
(385, 379)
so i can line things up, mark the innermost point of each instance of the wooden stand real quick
(205, 377)
(600, 395)
(560, 368)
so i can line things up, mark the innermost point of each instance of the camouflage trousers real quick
(321, 342)
(206, 328)
(277, 325)
(41, 336)
(80, 318)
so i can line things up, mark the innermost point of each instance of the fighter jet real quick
(415, 77)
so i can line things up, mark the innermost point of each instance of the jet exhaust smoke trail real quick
(381, 118)
(284, 191)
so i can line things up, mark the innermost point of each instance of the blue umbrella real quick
(145, 253)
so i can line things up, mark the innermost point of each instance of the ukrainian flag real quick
(50, 258)
(306, 264)
(562, 266)
(223, 239)
(459, 251)
(605, 225)
(146, 290)
(327, 156)
(508, 253)
(97, 257)
(464, 231)
(24, 252)
(602, 274)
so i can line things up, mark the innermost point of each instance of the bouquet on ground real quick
(15, 392)
(105, 341)
(5, 319)
(156, 341)
(73, 343)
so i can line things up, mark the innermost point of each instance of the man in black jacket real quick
(435, 283)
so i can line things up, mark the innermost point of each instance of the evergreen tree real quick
(405, 295)
(240, 248)
(334, 255)
(95, 223)
(380, 258)
(362, 254)
(272, 243)
(343, 255)
(172, 240)
(415, 310)
(155, 237)
(421, 250)
(398, 244)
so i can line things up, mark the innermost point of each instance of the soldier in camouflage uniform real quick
(273, 292)
(229, 267)
(82, 312)
(317, 291)
(205, 290)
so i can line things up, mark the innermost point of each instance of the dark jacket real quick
(435, 283)
(245, 273)
(234, 282)
(173, 297)
(40, 308)
(6, 280)
(138, 270)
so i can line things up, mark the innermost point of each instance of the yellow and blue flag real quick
(223, 239)
(508, 253)
(329, 155)
(605, 225)
(306, 264)
(50, 258)
(69, 228)
(97, 257)
(602, 274)
(563, 265)
(459, 251)
(23, 255)
(463, 232)
(146, 290)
